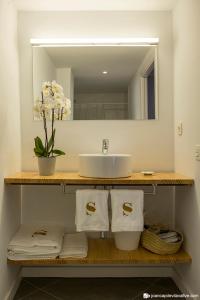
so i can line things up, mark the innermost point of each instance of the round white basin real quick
(105, 165)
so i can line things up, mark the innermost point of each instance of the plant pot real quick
(127, 240)
(46, 165)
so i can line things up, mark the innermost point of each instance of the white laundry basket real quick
(127, 240)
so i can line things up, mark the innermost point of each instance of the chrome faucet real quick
(105, 146)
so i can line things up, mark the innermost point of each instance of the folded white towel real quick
(92, 210)
(75, 245)
(36, 240)
(127, 210)
(13, 256)
(29, 236)
(34, 250)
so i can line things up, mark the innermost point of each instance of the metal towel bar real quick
(108, 187)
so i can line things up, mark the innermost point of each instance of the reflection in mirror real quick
(102, 82)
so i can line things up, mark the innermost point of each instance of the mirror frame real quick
(94, 42)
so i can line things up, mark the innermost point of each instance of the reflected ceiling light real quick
(94, 42)
(104, 72)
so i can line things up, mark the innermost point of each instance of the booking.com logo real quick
(170, 296)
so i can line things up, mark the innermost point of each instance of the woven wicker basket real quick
(155, 244)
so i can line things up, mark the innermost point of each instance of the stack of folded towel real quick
(36, 242)
(75, 245)
(170, 236)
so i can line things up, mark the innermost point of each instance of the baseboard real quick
(97, 271)
(11, 293)
(100, 271)
(181, 283)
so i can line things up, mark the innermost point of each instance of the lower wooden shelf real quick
(104, 252)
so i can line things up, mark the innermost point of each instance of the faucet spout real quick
(105, 146)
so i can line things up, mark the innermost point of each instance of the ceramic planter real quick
(46, 165)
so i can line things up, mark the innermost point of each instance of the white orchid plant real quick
(52, 106)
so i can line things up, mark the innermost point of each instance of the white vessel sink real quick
(105, 165)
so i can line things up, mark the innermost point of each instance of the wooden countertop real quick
(104, 252)
(74, 178)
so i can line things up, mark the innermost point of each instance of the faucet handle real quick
(106, 142)
(105, 146)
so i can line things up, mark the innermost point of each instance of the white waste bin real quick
(127, 240)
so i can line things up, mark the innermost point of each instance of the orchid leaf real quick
(38, 144)
(38, 152)
(39, 147)
(58, 152)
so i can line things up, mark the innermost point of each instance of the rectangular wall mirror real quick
(112, 82)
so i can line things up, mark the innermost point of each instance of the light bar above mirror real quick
(37, 42)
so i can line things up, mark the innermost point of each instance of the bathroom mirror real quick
(112, 82)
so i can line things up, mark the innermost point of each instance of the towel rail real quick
(105, 187)
(109, 187)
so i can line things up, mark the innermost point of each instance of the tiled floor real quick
(93, 288)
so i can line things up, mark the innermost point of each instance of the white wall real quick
(9, 139)
(187, 110)
(43, 70)
(134, 98)
(71, 96)
(65, 78)
(137, 107)
(150, 142)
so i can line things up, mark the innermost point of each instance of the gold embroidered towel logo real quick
(90, 208)
(127, 208)
(40, 232)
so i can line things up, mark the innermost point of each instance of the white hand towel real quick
(92, 210)
(75, 245)
(127, 210)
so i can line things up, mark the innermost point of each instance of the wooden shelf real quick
(74, 178)
(104, 252)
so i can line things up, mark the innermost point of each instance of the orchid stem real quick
(52, 129)
(45, 127)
